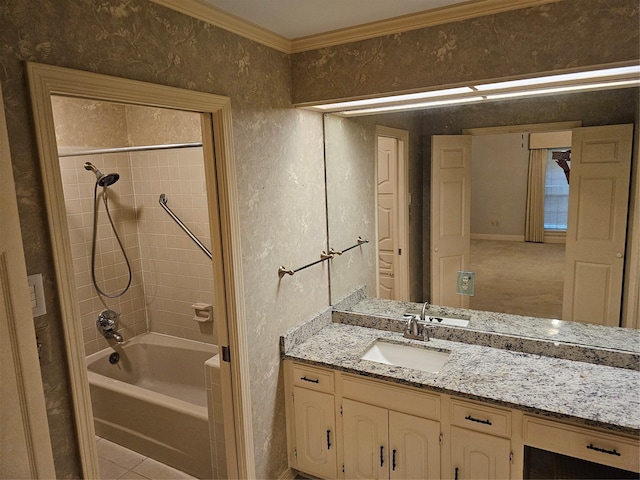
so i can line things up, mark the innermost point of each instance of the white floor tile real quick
(151, 468)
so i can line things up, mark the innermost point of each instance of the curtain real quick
(534, 222)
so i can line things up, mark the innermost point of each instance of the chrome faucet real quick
(417, 328)
(423, 313)
(107, 324)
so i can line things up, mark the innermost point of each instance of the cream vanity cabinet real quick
(311, 424)
(342, 425)
(386, 432)
(480, 441)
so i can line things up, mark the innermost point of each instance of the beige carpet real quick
(518, 277)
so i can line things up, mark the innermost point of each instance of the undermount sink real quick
(406, 356)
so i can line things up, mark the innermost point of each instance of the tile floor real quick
(117, 462)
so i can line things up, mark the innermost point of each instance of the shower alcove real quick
(153, 152)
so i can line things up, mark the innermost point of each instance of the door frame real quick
(20, 372)
(404, 208)
(215, 110)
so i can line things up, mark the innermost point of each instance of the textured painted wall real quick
(279, 165)
(350, 145)
(561, 35)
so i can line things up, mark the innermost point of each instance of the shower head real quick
(102, 179)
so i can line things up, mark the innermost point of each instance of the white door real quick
(366, 431)
(598, 204)
(387, 217)
(393, 208)
(450, 216)
(25, 446)
(414, 445)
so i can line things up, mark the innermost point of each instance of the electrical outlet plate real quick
(466, 283)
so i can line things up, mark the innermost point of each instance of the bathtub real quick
(154, 400)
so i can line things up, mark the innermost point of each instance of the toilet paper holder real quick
(203, 312)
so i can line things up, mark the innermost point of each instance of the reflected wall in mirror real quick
(351, 141)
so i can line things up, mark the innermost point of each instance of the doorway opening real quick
(393, 203)
(218, 185)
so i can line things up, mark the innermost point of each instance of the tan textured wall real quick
(561, 35)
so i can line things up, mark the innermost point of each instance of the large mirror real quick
(352, 179)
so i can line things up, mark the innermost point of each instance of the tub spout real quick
(113, 334)
(107, 324)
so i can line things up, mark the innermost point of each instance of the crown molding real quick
(226, 21)
(405, 23)
(415, 21)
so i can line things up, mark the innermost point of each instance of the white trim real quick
(555, 236)
(288, 474)
(21, 376)
(549, 237)
(439, 16)
(526, 128)
(226, 21)
(221, 184)
(497, 237)
(631, 293)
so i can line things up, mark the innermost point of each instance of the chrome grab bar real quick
(163, 203)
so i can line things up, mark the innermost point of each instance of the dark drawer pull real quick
(393, 461)
(381, 455)
(328, 439)
(477, 420)
(456, 475)
(310, 380)
(604, 450)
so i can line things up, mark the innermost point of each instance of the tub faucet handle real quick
(107, 324)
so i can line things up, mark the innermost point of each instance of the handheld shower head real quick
(102, 179)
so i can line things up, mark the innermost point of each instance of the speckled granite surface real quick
(595, 395)
(622, 339)
(555, 349)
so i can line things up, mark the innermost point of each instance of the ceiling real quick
(301, 18)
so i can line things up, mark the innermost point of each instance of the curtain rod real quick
(142, 148)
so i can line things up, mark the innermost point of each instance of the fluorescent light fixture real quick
(412, 106)
(566, 77)
(566, 88)
(618, 77)
(395, 98)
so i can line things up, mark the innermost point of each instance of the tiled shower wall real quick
(170, 273)
(176, 272)
(111, 270)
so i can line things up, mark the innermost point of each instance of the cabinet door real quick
(366, 433)
(476, 455)
(414, 445)
(315, 432)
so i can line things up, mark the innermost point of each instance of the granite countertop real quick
(595, 395)
(576, 333)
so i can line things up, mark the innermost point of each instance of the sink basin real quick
(406, 356)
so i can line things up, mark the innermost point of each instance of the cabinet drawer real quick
(313, 378)
(391, 396)
(482, 418)
(594, 446)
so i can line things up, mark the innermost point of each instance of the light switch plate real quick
(466, 283)
(36, 292)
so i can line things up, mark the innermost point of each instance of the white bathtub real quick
(154, 400)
